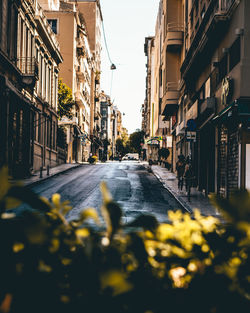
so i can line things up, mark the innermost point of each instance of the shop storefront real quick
(233, 141)
(16, 139)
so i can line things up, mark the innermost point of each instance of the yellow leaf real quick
(83, 232)
(18, 247)
(117, 281)
(66, 261)
(65, 299)
(105, 193)
(6, 304)
(12, 203)
(4, 182)
(90, 213)
(55, 244)
(56, 200)
(44, 267)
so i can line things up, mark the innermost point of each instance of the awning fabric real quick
(239, 108)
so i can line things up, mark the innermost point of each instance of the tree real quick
(122, 143)
(65, 100)
(121, 146)
(136, 139)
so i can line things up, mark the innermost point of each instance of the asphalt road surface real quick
(131, 185)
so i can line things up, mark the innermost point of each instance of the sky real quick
(127, 23)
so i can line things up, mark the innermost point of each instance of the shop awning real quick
(239, 109)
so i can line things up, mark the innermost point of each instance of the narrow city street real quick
(130, 183)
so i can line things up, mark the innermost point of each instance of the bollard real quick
(41, 172)
(47, 170)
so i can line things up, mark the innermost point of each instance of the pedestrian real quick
(180, 168)
(189, 176)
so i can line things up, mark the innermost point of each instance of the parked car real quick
(131, 156)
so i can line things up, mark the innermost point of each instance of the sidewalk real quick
(35, 178)
(198, 199)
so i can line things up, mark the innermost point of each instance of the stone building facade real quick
(29, 59)
(92, 13)
(206, 47)
(70, 28)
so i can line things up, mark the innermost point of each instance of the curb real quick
(181, 202)
(32, 184)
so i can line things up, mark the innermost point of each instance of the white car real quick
(131, 156)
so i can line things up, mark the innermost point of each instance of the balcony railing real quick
(214, 21)
(174, 35)
(172, 86)
(175, 27)
(28, 67)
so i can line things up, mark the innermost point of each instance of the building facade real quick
(92, 13)
(70, 28)
(29, 59)
(206, 95)
(105, 105)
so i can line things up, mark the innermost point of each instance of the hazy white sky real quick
(127, 23)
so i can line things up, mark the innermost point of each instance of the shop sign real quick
(191, 136)
(169, 141)
(192, 113)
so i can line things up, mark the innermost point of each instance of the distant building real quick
(105, 105)
(29, 59)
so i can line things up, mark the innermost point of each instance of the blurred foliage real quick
(65, 100)
(135, 141)
(191, 264)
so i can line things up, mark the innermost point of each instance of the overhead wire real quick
(105, 41)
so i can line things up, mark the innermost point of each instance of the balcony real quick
(170, 99)
(29, 70)
(79, 98)
(205, 38)
(80, 74)
(174, 36)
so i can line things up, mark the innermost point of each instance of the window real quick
(234, 54)
(223, 67)
(40, 126)
(48, 133)
(53, 24)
